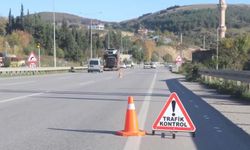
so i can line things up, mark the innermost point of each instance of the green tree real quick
(233, 52)
(10, 24)
(167, 58)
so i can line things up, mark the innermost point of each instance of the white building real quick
(97, 26)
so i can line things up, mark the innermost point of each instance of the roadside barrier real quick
(238, 78)
(35, 71)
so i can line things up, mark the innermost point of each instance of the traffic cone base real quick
(126, 133)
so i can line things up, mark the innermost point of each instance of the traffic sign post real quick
(173, 117)
(178, 59)
(178, 62)
(32, 60)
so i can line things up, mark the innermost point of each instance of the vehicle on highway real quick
(95, 65)
(111, 59)
(170, 67)
(128, 65)
(153, 65)
(146, 65)
(123, 66)
(1, 59)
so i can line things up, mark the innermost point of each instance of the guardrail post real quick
(205, 78)
(210, 79)
(238, 83)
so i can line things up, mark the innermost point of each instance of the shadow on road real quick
(85, 131)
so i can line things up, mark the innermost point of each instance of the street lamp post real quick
(39, 55)
(54, 30)
(91, 52)
(217, 49)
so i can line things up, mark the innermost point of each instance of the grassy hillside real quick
(194, 21)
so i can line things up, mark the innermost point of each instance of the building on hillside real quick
(143, 31)
(129, 34)
(97, 26)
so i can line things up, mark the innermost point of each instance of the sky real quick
(106, 10)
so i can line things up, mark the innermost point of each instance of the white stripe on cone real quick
(131, 106)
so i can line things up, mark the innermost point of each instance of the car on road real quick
(153, 65)
(146, 65)
(128, 65)
(123, 66)
(95, 65)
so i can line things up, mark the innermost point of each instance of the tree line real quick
(72, 42)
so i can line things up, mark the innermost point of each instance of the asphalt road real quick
(82, 111)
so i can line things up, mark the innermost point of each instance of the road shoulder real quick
(234, 109)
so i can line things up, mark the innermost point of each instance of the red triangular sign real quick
(32, 57)
(174, 117)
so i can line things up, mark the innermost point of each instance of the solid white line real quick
(20, 97)
(17, 83)
(133, 143)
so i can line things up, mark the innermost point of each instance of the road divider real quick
(36, 71)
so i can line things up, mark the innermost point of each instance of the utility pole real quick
(108, 40)
(121, 44)
(39, 55)
(54, 18)
(181, 38)
(217, 49)
(181, 51)
(91, 54)
(204, 42)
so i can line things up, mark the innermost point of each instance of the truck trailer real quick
(111, 60)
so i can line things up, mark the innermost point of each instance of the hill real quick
(193, 21)
(70, 18)
(177, 18)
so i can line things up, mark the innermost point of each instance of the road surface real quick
(82, 111)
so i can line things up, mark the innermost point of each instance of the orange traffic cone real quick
(131, 123)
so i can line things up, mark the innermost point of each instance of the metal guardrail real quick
(243, 76)
(33, 71)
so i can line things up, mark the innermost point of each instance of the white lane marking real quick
(196, 106)
(206, 117)
(218, 129)
(20, 97)
(86, 83)
(133, 143)
(64, 78)
(17, 83)
(94, 81)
